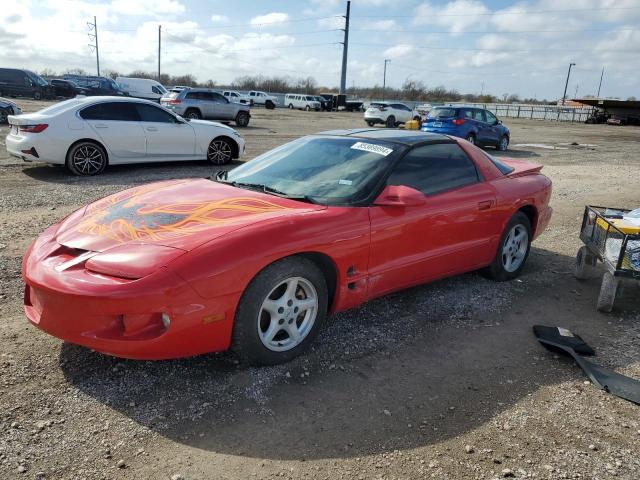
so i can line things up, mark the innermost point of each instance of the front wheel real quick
(291, 106)
(471, 138)
(280, 312)
(4, 114)
(307, 108)
(37, 96)
(269, 105)
(220, 151)
(513, 249)
(86, 159)
(242, 119)
(503, 144)
(608, 291)
(585, 263)
(370, 123)
(193, 114)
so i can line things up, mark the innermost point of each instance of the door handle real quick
(485, 205)
(152, 129)
(100, 125)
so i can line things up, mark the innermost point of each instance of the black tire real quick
(242, 119)
(37, 95)
(251, 102)
(307, 108)
(608, 292)
(3, 116)
(391, 121)
(251, 319)
(370, 123)
(86, 159)
(220, 151)
(503, 144)
(497, 270)
(585, 263)
(291, 106)
(416, 118)
(471, 138)
(193, 113)
(269, 105)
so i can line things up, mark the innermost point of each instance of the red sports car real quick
(255, 258)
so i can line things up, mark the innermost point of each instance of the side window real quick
(217, 98)
(469, 114)
(155, 89)
(479, 115)
(491, 118)
(193, 96)
(114, 111)
(149, 113)
(405, 108)
(434, 168)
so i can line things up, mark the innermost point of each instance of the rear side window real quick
(217, 98)
(503, 167)
(194, 96)
(439, 113)
(114, 111)
(435, 168)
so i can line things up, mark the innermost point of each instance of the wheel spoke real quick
(294, 333)
(271, 306)
(271, 332)
(306, 304)
(290, 293)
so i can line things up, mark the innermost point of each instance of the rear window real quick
(442, 113)
(503, 167)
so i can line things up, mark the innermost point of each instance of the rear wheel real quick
(242, 119)
(307, 108)
(193, 113)
(513, 249)
(503, 144)
(471, 138)
(280, 312)
(220, 151)
(86, 159)
(291, 106)
(391, 121)
(37, 95)
(3, 116)
(269, 105)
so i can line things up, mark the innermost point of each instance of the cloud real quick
(333, 22)
(274, 17)
(383, 25)
(144, 7)
(219, 19)
(399, 51)
(456, 16)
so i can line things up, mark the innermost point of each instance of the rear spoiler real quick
(20, 120)
(521, 167)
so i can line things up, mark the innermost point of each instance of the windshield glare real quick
(329, 170)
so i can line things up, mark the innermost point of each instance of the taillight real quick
(458, 121)
(174, 101)
(32, 128)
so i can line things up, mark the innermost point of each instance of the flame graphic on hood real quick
(125, 217)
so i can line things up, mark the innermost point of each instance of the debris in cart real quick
(563, 340)
(612, 236)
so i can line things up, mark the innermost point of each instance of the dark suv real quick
(97, 85)
(477, 125)
(15, 82)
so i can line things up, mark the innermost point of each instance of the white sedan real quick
(88, 133)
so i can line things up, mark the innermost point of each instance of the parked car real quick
(325, 105)
(261, 98)
(146, 88)
(616, 120)
(97, 85)
(88, 133)
(205, 103)
(181, 267)
(389, 114)
(67, 88)
(17, 82)
(476, 125)
(7, 107)
(237, 97)
(301, 102)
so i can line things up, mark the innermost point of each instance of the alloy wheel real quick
(287, 314)
(514, 249)
(219, 152)
(88, 159)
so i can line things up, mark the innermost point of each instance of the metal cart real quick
(607, 237)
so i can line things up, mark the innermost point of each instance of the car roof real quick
(403, 137)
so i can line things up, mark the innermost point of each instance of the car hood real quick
(180, 214)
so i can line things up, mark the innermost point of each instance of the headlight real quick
(132, 261)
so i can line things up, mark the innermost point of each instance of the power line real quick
(496, 32)
(497, 50)
(519, 12)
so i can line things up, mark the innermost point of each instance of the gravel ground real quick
(440, 381)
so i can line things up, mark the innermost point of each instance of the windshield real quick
(161, 88)
(38, 80)
(328, 170)
(442, 113)
(309, 99)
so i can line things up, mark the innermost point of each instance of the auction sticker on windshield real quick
(373, 148)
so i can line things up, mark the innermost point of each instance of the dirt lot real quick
(442, 381)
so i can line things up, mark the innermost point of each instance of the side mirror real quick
(400, 196)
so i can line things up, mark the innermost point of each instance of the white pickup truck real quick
(261, 98)
(236, 97)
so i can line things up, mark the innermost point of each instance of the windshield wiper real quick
(221, 177)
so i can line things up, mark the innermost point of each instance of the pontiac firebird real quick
(256, 257)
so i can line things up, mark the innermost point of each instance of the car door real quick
(405, 113)
(482, 127)
(167, 136)
(223, 106)
(494, 133)
(118, 126)
(446, 235)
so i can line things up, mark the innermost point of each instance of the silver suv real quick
(207, 104)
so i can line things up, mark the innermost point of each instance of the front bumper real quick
(120, 317)
(374, 119)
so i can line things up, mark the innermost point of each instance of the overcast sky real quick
(500, 46)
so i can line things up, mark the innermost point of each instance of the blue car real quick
(477, 125)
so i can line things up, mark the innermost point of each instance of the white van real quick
(142, 88)
(303, 102)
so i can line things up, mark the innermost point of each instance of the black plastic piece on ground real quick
(558, 338)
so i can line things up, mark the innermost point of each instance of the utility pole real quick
(159, 44)
(94, 36)
(575, 95)
(564, 95)
(384, 77)
(482, 89)
(345, 47)
(600, 84)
